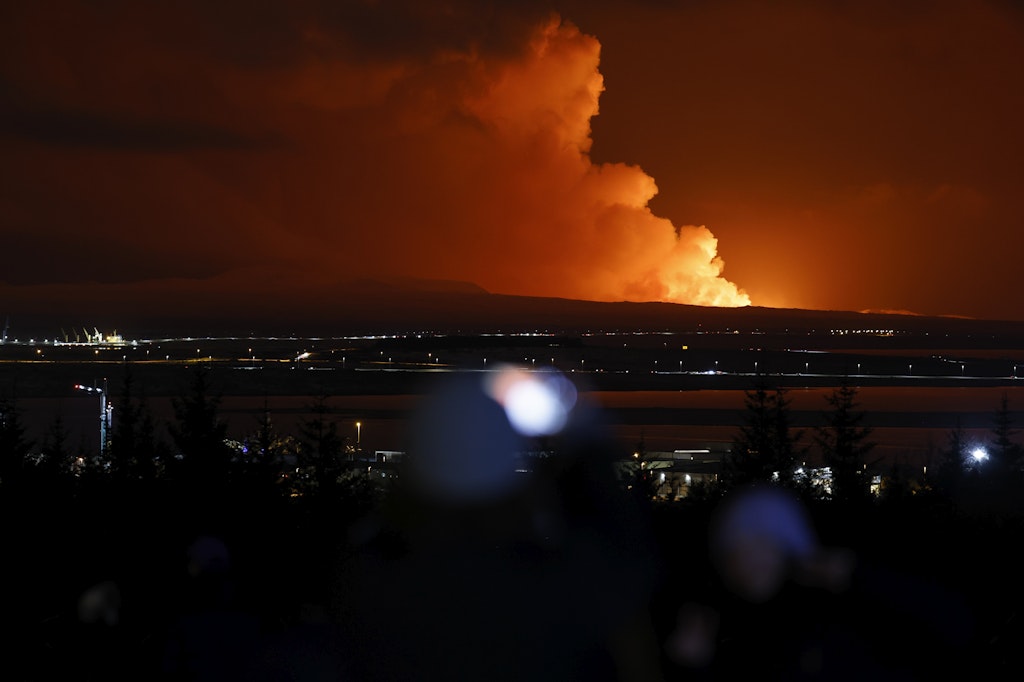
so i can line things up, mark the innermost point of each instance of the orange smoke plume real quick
(587, 231)
(330, 157)
(480, 170)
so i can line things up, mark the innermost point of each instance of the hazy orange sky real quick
(833, 155)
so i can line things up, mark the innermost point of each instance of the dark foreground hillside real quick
(100, 585)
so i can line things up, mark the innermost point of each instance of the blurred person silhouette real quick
(477, 568)
(212, 637)
(780, 605)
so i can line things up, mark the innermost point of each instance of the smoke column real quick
(309, 145)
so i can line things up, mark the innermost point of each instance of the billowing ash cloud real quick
(477, 167)
(450, 158)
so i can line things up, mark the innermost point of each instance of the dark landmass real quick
(402, 306)
(385, 336)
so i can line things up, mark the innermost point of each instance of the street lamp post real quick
(106, 412)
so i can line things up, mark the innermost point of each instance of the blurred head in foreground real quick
(464, 450)
(758, 536)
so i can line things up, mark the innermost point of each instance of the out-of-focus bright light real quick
(979, 454)
(536, 403)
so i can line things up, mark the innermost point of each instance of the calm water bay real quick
(906, 421)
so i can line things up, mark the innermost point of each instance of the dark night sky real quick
(833, 155)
